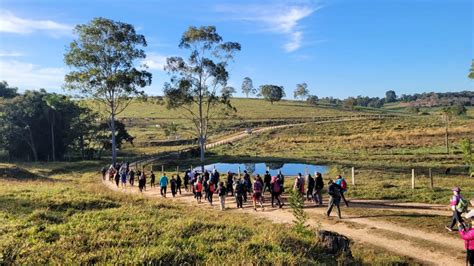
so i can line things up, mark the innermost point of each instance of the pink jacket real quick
(468, 238)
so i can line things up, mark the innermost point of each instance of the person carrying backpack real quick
(334, 191)
(152, 179)
(267, 180)
(198, 190)
(458, 206)
(222, 192)
(239, 192)
(173, 185)
(163, 185)
(341, 182)
(131, 178)
(186, 180)
(257, 193)
(318, 187)
(281, 180)
(178, 184)
(309, 190)
(467, 234)
(141, 181)
(299, 184)
(276, 191)
(230, 183)
(210, 191)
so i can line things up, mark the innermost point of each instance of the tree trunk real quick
(52, 140)
(32, 146)
(114, 144)
(202, 147)
(81, 144)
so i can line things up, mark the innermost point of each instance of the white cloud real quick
(155, 61)
(30, 76)
(12, 24)
(10, 54)
(280, 19)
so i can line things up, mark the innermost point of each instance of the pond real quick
(260, 168)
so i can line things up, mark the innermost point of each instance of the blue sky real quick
(339, 48)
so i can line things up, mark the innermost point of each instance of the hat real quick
(457, 189)
(470, 215)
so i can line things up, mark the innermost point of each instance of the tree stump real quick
(334, 243)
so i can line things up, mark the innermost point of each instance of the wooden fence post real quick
(431, 178)
(412, 178)
(162, 170)
(177, 170)
(353, 176)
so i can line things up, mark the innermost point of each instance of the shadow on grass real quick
(405, 215)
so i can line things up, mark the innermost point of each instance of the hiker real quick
(248, 185)
(230, 182)
(310, 189)
(198, 190)
(341, 182)
(163, 184)
(215, 177)
(173, 185)
(131, 178)
(222, 192)
(210, 190)
(117, 178)
(276, 191)
(267, 179)
(123, 174)
(281, 180)
(257, 192)
(299, 184)
(178, 184)
(141, 181)
(318, 187)
(239, 192)
(458, 206)
(334, 191)
(186, 180)
(111, 172)
(467, 234)
(104, 172)
(152, 179)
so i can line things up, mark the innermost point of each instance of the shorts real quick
(257, 195)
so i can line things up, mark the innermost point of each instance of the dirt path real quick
(430, 248)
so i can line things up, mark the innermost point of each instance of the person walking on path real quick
(222, 192)
(248, 185)
(267, 179)
(458, 206)
(276, 191)
(310, 189)
(142, 181)
(173, 185)
(299, 184)
(198, 190)
(341, 182)
(281, 180)
(239, 192)
(230, 183)
(152, 179)
(131, 178)
(467, 234)
(186, 180)
(210, 191)
(163, 184)
(178, 184)
(117, 178)
(104, 172)
(318, 187)
(257, 193)
(334, 191)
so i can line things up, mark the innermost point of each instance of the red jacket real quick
(468, 238)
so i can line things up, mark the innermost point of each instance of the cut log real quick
(335, 244)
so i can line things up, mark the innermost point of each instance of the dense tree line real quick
(431, 99)
(37, 125)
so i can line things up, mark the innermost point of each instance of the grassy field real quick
(64, 217)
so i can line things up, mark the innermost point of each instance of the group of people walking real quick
(209, 183)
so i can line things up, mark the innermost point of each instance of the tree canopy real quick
(272, 93)
(196, 81)
(390, 96)
(247, 87)
(104, 57)
(301, 91)
(7, 91)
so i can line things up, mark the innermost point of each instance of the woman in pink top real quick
(468, 235)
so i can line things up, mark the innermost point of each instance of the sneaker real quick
(448, 228)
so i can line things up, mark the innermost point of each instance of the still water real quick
(260, 168)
